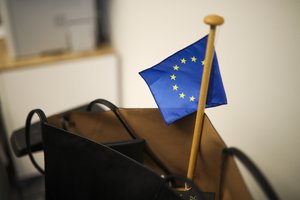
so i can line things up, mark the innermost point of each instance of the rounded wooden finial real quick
(213, 20)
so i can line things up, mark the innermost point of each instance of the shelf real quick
(7, 62)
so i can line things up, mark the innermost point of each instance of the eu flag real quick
(175, 82)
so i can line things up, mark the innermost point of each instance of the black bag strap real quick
(252, 168)
(43, 119)
(114, 109)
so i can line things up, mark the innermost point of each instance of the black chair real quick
(12, 187)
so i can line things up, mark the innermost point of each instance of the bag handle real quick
(252, 168)
(43, 119)
(114, 109)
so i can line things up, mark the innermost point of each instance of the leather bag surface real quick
(125, 153)
(171, 144)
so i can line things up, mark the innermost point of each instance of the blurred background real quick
(56, 55)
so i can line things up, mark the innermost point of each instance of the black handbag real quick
(78, 168)
(78, 162)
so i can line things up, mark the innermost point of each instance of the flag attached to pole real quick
(175, 82)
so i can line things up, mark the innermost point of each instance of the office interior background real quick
(258, 49)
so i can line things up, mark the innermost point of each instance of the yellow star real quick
(183, 60)
(192, 98)
(182, 95)
(173, 77)
(203, 62)
(176, 67)
(193, 198)
(194, 59)
(175, 87)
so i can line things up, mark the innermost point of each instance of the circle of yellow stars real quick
(175, 87)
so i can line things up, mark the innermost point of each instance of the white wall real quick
(258, 50)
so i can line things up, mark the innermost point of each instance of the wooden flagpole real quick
(213, 21)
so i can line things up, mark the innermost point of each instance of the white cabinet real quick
(53, 88)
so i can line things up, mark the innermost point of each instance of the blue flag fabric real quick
(175, 82)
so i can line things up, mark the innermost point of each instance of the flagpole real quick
(213, 21)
